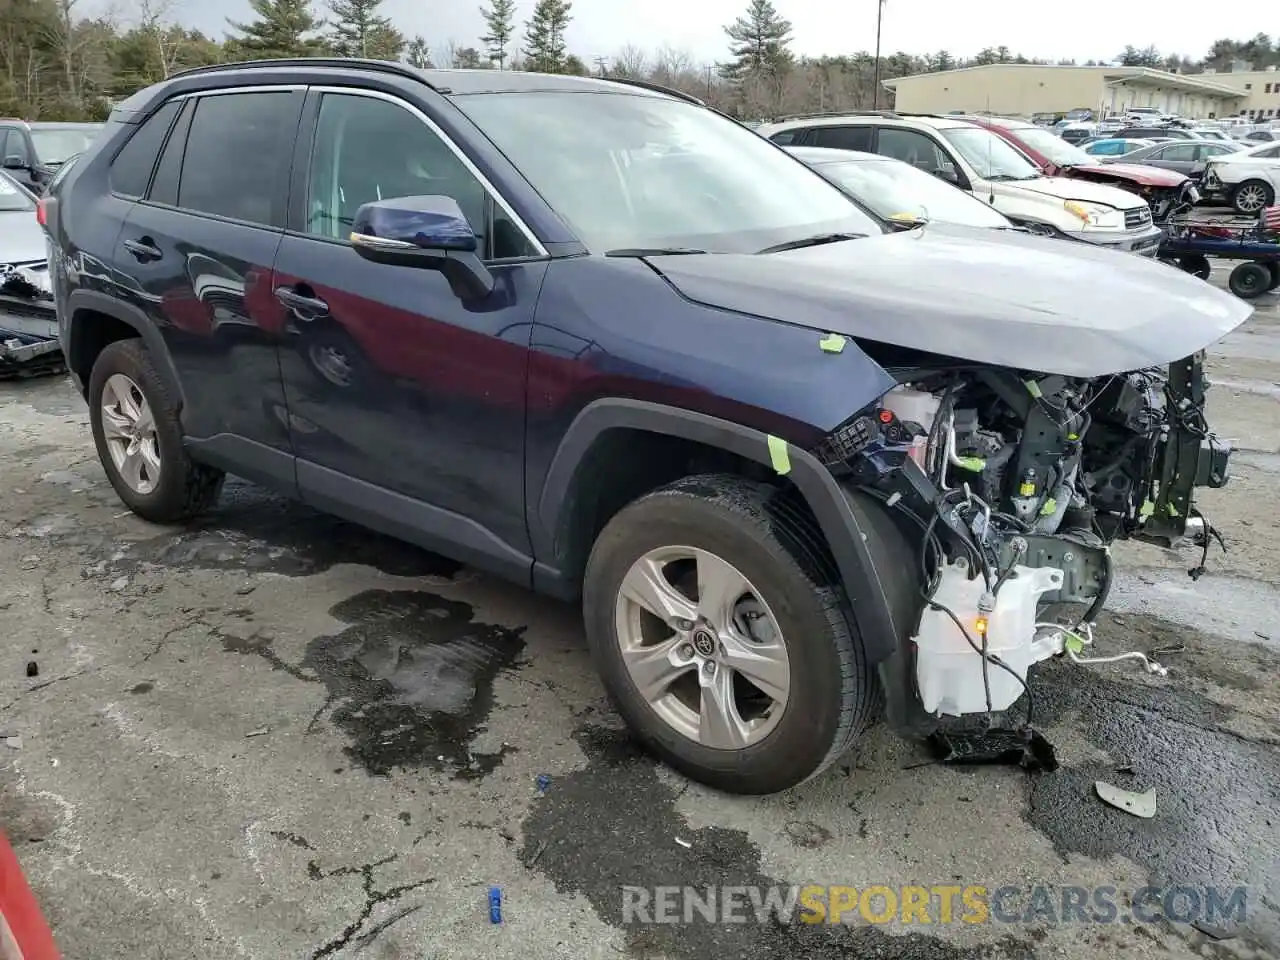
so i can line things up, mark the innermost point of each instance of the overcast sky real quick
(1083, 29)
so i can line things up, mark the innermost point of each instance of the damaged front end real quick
(1013, 486)
(28, 323)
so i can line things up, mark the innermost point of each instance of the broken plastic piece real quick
(832, 343)
(1026, 748)
(33, 669)
(684, 843)
(544, 782)
(260, 732)
(1139, 804)
(778, 455)
(495, 904)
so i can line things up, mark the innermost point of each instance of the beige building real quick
(1260, 89)
(1017, 89)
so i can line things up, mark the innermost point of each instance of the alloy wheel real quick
(702, 647)
(1251, 198)
(129, 428)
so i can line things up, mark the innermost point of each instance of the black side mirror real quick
(948, 174)
(14, 162)
(429, 233)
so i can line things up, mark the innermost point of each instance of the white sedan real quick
(1248, 180)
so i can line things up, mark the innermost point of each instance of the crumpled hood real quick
(1146, 176)
(22, 239)
(992, 296)
(1083, 190)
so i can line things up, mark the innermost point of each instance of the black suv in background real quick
(32, 152)
(596, 338)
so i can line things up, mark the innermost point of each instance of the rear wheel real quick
(1250, 280)
(1252, 196)
(139, 440)
(1275, 275)
(718, 639)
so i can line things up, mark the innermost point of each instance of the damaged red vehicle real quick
(1162, 189)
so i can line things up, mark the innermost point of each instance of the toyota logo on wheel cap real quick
(704, 642)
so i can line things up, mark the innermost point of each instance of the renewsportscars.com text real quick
(937, 904)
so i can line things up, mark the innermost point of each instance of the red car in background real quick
(1162, 189)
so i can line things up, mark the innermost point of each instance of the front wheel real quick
(718, 639)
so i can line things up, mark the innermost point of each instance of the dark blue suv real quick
(599, 339)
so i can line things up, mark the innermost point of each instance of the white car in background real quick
(1249, 180)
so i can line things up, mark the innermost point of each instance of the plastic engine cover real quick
(949, 670)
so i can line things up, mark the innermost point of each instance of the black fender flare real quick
(81, 303)
(833, 507)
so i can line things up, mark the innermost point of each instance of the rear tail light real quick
(42, 211)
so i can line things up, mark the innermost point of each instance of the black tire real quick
(185, 488)
(1249, 188)
(833, 693)
(1275, 275)
(1250, 280)
(1196, 264)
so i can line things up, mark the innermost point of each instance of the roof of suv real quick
(878, 117)
(459, 82)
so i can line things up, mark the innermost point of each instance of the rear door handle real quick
(144, 248)
(306, 308)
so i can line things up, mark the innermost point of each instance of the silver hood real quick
(991, 296)
(21, 237)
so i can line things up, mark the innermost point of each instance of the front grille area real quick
(1137, 218)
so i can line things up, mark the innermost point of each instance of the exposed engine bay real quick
(1018, 484)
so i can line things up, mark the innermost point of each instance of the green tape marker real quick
(778, 455)
(832, 343)
(1073, 643)
(975, 464)
(1049, 507)
(1033, 388)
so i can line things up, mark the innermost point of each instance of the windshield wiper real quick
(817, 240)
(652, 251)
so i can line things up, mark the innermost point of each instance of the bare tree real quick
(630, 61)
(448, 55)
(155, 17)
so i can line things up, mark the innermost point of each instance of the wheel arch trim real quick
(823, 494)
(83, 302)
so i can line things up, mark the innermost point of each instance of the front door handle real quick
(144, 248)
(304, 307)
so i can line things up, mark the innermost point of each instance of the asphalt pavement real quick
(274, 735)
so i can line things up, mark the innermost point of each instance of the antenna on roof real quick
(991, 184)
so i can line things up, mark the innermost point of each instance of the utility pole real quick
(875, 83)
(602, 64)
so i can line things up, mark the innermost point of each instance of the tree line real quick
(59, 63)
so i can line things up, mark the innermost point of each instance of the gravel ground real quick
(273, 735)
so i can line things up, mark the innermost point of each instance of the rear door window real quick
(238, 149)
(842, 138)
(131, 169)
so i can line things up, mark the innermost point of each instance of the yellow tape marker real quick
(778, 455)
(832, 343)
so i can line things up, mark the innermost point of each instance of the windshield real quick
(12, 198)
(990, 156)
(639, 172)
(1058, 151)
(898, 191)
(56, 144)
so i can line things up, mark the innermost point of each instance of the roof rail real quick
(656, 88)
(378, 66)
(840, 113)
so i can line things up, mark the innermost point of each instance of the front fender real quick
(877, 618)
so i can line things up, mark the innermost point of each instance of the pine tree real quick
(280, 31)
(760, 40)
(500, 18)
(419, 54)
(358, 31)
(544, 48)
